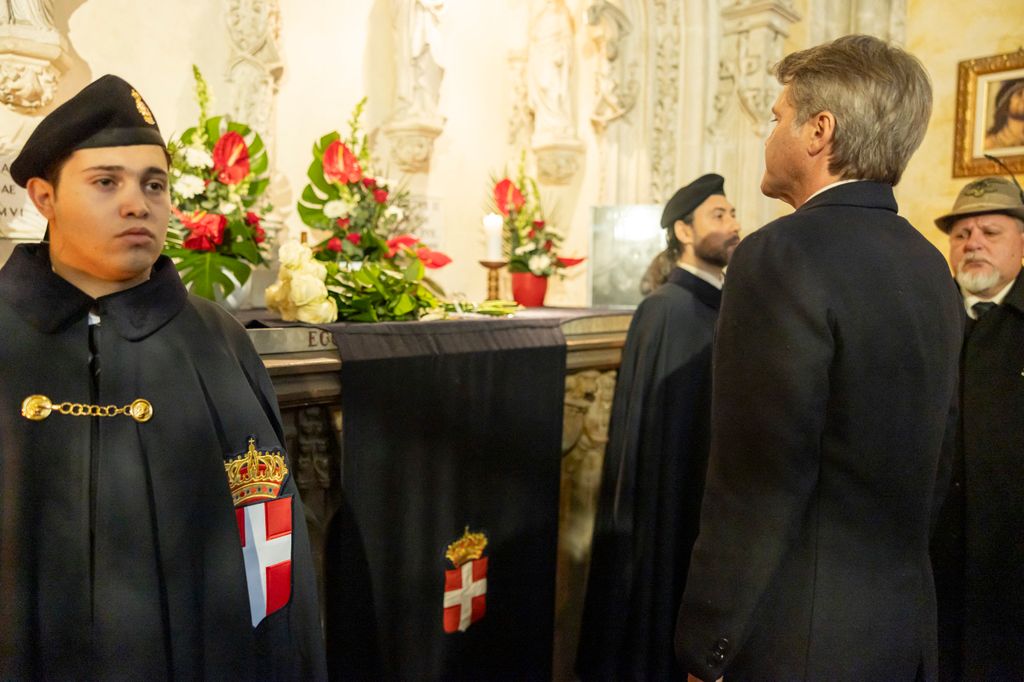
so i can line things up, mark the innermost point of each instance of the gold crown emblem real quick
(255, 475)
(470, 546)
(144, 111)
(980, 188)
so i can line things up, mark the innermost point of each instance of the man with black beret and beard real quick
(653, 475)
(150, 525)
(977, 549)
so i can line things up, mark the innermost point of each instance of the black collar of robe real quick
(706, 293)
(51, 303)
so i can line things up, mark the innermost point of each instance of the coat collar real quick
(51, 303)
(1015, 296)
(707, 294)
(863, 193)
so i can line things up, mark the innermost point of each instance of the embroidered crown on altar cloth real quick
(467, 548)
(255, 475)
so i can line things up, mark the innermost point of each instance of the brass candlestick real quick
(493, 266)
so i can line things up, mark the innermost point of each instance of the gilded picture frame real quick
(989, 115)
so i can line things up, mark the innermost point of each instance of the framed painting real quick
(989, 115)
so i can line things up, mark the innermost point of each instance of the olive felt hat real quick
(985, 195)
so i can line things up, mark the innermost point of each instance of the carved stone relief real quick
(549, 70)
(32, 55)
(753, 38)
(520, 116)
(616, 83)
(885, 19)
(665, 27)
(416, 120)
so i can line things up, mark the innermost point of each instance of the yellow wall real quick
(942, 34)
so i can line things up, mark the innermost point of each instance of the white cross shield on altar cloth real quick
(465, 595)
(266, 533)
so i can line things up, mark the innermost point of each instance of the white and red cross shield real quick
(266, 532)
(465, 595)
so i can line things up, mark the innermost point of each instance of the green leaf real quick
(403, 305)
(415, 271)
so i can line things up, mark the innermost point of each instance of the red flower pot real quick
(529, 289)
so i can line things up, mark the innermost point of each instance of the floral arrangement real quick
(531, 246)
(367, 268)
(219, 173)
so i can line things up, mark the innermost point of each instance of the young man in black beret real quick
(149, 525)
(657, 450)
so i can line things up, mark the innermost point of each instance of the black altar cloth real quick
(448, 425)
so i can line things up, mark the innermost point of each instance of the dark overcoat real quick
(834, 391)
(979, 543)
(120, 547)
(651, 485)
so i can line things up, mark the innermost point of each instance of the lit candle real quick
(493, 224)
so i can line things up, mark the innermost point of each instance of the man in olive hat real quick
(150, 527)
(657, 450)
(977, 549)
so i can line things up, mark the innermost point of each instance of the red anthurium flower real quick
(354, 237)
(396, 243)
(508, 197)
(231, 158)
(380, 195)
(334, 244)
(206, 230)
(569, 262)
(369, 183)
(340, 164)
(432, 259)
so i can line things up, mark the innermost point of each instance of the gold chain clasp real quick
(39, 407)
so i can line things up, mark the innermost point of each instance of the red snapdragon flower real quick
(354, 237)
(206, 230)
(396, 243)
(334, 244)
(432, 259)
(340, 164)
(508, 197)
(231, 158)
(380, 195)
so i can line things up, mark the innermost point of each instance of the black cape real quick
(120, 554)
(652, 484)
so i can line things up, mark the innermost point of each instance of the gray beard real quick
(977, 282)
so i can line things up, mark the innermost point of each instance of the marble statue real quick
(549, 68)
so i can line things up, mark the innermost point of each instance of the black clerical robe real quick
(651, 486)
(120, 547)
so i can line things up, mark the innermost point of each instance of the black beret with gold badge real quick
(684, 201)
(106, 113)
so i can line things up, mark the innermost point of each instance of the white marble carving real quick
(254, 64)
(616, 85)
(32, 55)
(549, 69)
(665, 25)
(520, 115)
(416, 121)
(754, 32)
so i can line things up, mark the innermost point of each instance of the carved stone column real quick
(753, 32)
(32, 55)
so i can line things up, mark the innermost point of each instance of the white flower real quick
(277, 299)
(395, 212)
(227, 208)
(539, 264)
(318, 312)
(293, 254)
(306, 289)
(188, 186)
(312, 268)
(524, 248)
(337, 209)
(198, 158)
